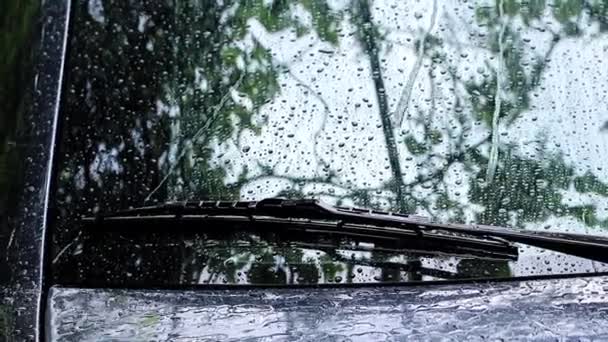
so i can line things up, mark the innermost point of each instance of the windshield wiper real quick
(399, 231)
(309, 221)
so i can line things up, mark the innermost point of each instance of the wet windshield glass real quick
(489, 112)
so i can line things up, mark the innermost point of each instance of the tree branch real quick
(406, 94)
(368, 40)
(197, 135)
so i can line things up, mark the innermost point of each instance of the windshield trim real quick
(386, 284)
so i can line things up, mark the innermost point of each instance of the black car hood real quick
(524, 310)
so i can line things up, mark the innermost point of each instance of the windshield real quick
(489, 112)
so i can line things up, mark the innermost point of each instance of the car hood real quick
(527, 310)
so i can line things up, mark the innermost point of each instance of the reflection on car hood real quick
(523, 310)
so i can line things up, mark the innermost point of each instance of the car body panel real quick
(555, 309)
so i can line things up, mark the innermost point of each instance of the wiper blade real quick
(304, 220)
(370, 223)
(594, 248)
(275, 207)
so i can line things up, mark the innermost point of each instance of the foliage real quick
(16, 29)
(527, 189)
(19, 31)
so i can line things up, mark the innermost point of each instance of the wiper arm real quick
(370, 223)
(308, 221)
